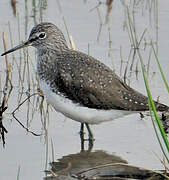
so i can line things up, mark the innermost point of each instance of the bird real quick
(79, 86)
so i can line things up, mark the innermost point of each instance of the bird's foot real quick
(141, 115)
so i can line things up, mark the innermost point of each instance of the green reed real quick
(161, 137)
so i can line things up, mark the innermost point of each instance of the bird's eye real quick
(42, 35)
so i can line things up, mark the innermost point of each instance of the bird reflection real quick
(97, 165)
(74, 164)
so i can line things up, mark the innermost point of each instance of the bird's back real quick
(88, 82)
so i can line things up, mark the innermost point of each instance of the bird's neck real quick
(46, 63)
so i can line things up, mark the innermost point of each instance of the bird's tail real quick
(161, 107)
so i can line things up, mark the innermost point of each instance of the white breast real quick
(80, 113)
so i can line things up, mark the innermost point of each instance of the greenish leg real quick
(82, 136)
(82, 130)
(91, 138)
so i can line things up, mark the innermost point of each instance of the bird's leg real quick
(82, 130)
(91, 138)
(90, 146)
(82, 136)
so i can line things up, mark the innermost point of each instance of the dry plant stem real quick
(162, 161)
(47, 149)
(109, 9)
(72, 43)
(99, 3)
(59, 6)
(5, 48)
(13, 113)
(121, 61)
(53, 151)
(67, 31)
(53, 173)
(18, 173)
(4, 102)
(13, 4)
(24, 102)
(100, 24)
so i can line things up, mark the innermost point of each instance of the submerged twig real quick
(2, 128)
(13, 113)
(6, 95)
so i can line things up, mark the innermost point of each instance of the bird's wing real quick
(90, 83)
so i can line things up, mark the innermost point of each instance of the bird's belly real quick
(77, 112)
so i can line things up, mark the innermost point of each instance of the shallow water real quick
(131, 138)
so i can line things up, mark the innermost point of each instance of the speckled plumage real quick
(80, 78)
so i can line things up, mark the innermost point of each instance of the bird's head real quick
(43, 36)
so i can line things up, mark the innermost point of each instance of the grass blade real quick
(152, 106)
(160, 68)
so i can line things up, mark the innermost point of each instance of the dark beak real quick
(25, 44)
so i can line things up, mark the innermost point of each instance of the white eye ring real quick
(42, 35)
